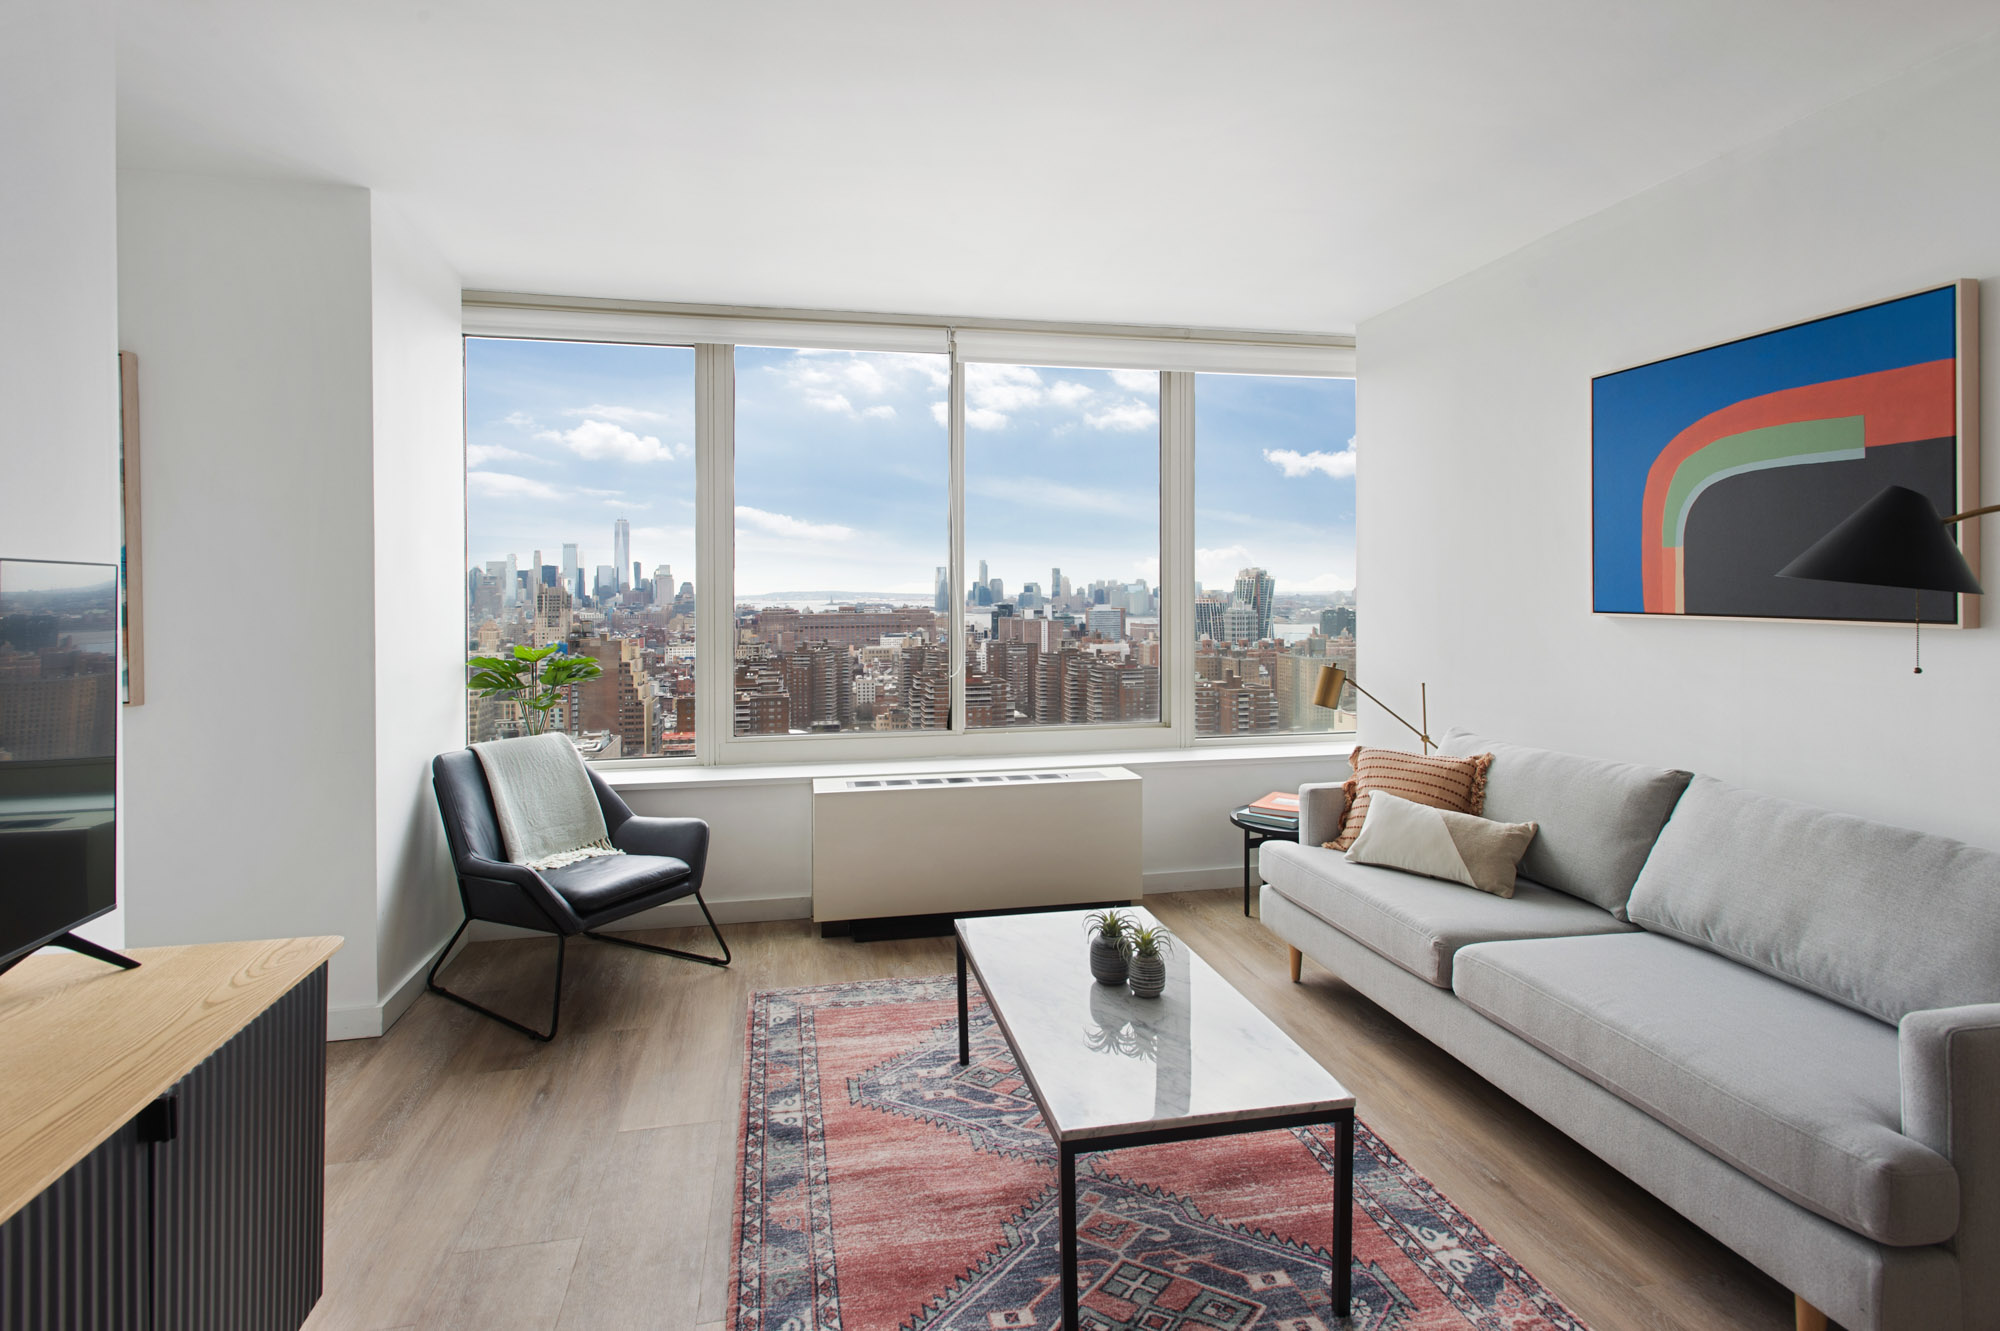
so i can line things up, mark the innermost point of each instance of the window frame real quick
(714, 332)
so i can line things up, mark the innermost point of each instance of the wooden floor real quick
(477, 1179)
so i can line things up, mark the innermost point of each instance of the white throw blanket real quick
(549, 815)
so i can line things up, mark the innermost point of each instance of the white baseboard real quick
(365, 1021)
(1194, 880)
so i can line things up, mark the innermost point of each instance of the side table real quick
(1255, 834)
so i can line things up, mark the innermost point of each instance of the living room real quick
(313, 229)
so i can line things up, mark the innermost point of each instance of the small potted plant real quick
(1107, 945)
(1148, 944)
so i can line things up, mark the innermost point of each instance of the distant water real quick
(831, 601)
(94, 640)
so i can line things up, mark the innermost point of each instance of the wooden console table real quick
(162, 1138)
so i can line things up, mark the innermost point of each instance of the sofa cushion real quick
(1799, 1093)
(1882, 919)
(1598, 819)
(1420, 923)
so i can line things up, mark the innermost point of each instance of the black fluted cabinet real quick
(203, 1213)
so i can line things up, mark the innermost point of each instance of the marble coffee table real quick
(1109, 1070)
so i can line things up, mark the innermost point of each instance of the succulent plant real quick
(1149, 940)
(1109, 925)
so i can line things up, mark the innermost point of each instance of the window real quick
(580, 534)
(1274, 551)
(915, 541)
(1062, 546)
(843, 467)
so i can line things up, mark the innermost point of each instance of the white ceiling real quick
(1255, 165)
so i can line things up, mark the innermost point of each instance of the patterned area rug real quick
(883, 1186)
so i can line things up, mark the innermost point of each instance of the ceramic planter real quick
(1107, 961)
(1148, 976)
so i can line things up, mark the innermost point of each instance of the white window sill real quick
(1334, 749)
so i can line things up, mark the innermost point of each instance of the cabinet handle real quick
(160, 1121)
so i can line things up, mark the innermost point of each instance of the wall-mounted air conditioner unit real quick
(946, 842)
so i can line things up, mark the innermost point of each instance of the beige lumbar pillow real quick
(1438, 843)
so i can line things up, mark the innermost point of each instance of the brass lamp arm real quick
(1972, 513)
(1429, 743)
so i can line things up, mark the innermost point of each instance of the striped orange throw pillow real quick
(1458, 784)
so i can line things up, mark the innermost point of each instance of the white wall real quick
(250, 771)
(59, 270)
(419, 533)
(1474, 486)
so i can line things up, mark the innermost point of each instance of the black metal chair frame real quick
(508, 888)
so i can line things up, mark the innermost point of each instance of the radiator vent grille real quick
(961, 779)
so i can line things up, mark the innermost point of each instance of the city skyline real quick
(1061, 464)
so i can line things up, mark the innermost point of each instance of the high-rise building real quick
(1255, 588)
(606, 585)
(621, 550)
(982, 573)
(941, 602)
(1056, 584)
(552, 616)
(570, 569)
(1208, 608)
(1240, 622)
(512, 582)
(1337, 620)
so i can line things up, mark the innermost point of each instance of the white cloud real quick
(789, 528)
(941, 412)
(478, 455)
(1137, 381)
(520, 420)
(1294, 464)
(1002, 388)
(1123, 416)
(595, 440)
(622, 415)
(835, 380)
(1068, 392)
(502, 485)
(984, 418)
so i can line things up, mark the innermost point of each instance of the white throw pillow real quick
(1439, 843)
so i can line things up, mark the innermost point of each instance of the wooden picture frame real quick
(131, 564)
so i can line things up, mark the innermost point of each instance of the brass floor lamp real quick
(1327, 694)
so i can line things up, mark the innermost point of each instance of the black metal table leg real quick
(1246, 873)
(1343, 1214)
(1066, 1182)
(964, 1031)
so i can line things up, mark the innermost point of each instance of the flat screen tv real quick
(58, 753)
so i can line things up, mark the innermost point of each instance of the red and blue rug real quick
(883, 1186)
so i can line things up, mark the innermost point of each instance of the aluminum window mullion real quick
(715, 546)
(1177, 445)
(956, 559)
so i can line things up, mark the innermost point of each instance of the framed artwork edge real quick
(1966, 377)
(131, 565)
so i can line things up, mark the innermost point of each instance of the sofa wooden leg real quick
(1807, 1317)
(1297, 958)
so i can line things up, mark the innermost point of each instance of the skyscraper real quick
(941, 602)
(1055, 584)
(1254, 588)
(621, 552)
(570, 571)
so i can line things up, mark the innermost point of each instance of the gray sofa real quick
(1781, 1021)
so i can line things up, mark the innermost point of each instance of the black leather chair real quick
(663, 862)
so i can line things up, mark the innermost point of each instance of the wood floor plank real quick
(470, 1159)
(640, 1266)
(502, 1289)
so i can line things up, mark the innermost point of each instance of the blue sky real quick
(842, 467)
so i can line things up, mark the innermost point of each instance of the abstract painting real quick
(1712, 470)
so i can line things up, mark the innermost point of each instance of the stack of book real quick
(1277, 811)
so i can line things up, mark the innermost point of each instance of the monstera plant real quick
(535, 677)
